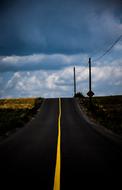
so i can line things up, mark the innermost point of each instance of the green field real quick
(105, 110)
(14, 113)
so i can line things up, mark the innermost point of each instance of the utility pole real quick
(90, 97)
(90, 74)
(90, 93)
(74, 82)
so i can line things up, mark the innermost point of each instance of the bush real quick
(79, 95)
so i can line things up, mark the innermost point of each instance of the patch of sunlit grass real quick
(15, 113)
(19, 103)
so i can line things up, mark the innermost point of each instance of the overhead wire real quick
(109, 49)
(99, 50)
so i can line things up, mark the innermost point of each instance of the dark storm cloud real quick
(57, 26)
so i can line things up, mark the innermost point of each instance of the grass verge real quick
(15, 113)
(106, 110)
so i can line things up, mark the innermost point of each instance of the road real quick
(87, 157)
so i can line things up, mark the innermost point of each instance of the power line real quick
(99, 50)
(108, 50)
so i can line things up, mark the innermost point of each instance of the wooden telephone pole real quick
(74, 82)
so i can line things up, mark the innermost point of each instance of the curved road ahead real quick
(88, 159)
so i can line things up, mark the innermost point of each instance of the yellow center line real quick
(58, 156)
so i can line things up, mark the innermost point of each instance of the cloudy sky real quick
(42, 40)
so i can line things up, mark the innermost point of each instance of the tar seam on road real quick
(58, 155)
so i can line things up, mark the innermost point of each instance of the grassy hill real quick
(106, 110)
(14, 113)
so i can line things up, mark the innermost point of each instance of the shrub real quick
(79, 95)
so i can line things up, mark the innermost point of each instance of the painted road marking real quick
(58, 155)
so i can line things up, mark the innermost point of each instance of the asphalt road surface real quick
(88, 159)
